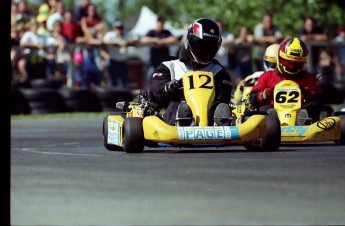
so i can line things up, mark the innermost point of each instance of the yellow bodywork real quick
(157, 130)
(199, 93)
(287, 103)
(240, 109)
(327, 129)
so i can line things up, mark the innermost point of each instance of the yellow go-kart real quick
(139, 125)
(296, 126)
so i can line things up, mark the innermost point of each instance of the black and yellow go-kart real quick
(140, 126)
(297, 126)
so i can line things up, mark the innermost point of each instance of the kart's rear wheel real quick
(109, 147)
(341, 115)
(133, 137)
(272, 138)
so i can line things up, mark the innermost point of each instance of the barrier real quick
(81, 99)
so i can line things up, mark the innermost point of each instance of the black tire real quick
(109, 147)
(44, 100)
(342, 129)
(133, 137)
(80, 100)
(271, 140)
(53, 83)
(18, 103)
(107, 97)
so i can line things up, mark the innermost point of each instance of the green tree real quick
(288, 15)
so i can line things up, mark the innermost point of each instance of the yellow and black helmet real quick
(292, 56)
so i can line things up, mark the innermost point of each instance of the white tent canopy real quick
(147, 20)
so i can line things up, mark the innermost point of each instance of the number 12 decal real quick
(205, 85)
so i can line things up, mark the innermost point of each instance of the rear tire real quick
(133, 137)
(271, 140)
(109, 147)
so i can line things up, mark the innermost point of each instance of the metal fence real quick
(138, 57)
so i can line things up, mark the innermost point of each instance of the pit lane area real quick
(62, 175)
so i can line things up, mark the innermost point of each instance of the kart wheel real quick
(109, 147)
(271, 140)
(133, 137)
(342, 130)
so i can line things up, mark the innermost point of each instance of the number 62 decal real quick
(285, 97)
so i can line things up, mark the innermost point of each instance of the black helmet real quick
(203, 40)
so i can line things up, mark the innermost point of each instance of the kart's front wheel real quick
(133, 137)
(271, 140)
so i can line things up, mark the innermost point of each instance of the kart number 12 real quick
(205, 85)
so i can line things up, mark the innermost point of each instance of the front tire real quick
(271, 140)
(133, 137)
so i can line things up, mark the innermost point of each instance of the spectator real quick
(58, 15)
(15, 38)
(339, 54)
(265, 33)
(242, 54)
(48, 6)
(43, 13)
(92, 28)
(55, 45)
(70, 29)
(325, 68)
(222, 54)
(21, 17)
(23, 12)
(81, 10)
(78, 60)
(159, 38)
(182, 39)
(117, 57)
(312, 33)
(14, 13)
(88, 24)
(34, 62)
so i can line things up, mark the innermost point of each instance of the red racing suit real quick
(269, 79)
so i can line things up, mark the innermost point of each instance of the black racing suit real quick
(174, 69)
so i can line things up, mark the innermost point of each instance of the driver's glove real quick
(172, 86)
(264, 95)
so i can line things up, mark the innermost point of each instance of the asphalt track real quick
(62, 175)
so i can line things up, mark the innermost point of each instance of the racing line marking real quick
(37, 151)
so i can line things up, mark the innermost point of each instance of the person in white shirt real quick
(33, 49)
(117, 41)
(56, 16)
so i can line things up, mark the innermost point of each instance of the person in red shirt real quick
(69, 28)
(291, 60)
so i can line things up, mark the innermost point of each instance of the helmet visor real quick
(202, 50)
(270, 64)
(292, 66)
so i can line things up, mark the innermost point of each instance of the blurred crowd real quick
(80, 48)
